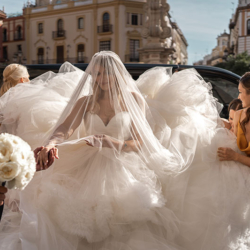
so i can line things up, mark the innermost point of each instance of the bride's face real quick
(244, 96)
(104, 78)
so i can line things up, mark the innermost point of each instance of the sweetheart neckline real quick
(110, 119)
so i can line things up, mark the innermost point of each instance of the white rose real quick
(19, 156)
(23, 179)
(6, 149)
(9, 170)
(27, 173)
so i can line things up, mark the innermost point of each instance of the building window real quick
(105, 22)
(40, 28)
(80, 23)
(80, 53)
(60, 25)
(5, 53)
(141, 19)
(248, 26)
(105, 45)
(40, 55)
(19, 47)
(134, 46)
(60, 31)
(134, 19)
(18, 33)
(5, 38)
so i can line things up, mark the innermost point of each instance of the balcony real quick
(72, 60)
(132, 58)
(105, 29)
(18, 36)
(59, 34)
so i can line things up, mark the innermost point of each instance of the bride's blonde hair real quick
(11, 76)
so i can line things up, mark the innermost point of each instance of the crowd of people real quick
(124, 164)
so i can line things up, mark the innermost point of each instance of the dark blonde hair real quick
(11, 76)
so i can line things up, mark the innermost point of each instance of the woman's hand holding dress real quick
(45, 156)
(227, 154)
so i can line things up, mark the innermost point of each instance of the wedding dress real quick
(172, 193)
(100, 197)
(210, 198)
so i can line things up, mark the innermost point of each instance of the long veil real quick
(106, 92)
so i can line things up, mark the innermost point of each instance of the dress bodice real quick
(118, 127)
(242, 142)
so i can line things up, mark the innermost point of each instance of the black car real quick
(224, 82)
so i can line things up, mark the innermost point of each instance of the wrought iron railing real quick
(132, 58)
(72, 60)
(18, 36)
(105, 28)
(59, 34)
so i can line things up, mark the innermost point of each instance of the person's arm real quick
(135, 142)
(226, 123)
(236, 120)
(228, 154)
(67, 128)
(63, 132)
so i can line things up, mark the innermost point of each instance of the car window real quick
(224, 90)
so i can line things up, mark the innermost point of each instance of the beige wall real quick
(69, 12)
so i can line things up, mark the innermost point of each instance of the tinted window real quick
(223, 89)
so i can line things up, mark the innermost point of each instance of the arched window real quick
(40, 55)
(248, 27)
(60, 24)
(5, 38)
(60, 31)
(80, 23)
(40, 28)
(105, 22)
(18, 34)
(80, 53)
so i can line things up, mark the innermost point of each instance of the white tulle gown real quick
(210, 198)
(91, 199)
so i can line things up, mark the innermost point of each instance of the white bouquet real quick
(17, 161)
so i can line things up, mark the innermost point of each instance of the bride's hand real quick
(45, 156)
(99, 141)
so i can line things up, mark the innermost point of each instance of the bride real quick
(105, 190)
(137, 167)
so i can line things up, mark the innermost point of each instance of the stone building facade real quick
(239, 34)
(60, 30)
(13, 42)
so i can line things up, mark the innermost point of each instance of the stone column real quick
(156, 30)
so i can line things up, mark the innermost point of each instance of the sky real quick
(201, 21)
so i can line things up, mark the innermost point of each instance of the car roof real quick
(136, 69)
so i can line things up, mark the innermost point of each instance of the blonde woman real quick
(12, 75)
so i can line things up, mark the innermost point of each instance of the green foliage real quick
(14, 14)
(239, 64)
